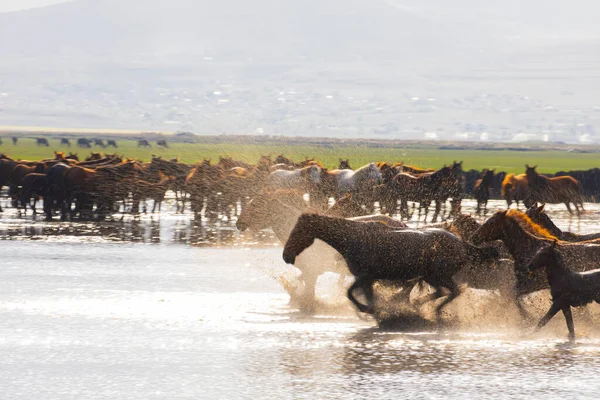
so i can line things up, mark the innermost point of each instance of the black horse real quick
(481, 190)
(568, 288)
(375, 252)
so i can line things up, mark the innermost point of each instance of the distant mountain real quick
(398, 68)
(234, 29)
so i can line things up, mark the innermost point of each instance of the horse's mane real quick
(529, 226)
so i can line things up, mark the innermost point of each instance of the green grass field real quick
(502, 160)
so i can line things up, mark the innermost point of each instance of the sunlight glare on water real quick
(149, 309)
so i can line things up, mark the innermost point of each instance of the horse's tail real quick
(480, 254)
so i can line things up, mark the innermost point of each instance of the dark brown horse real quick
(568, 288)
(560, 189)
(374, 252)
(436, 186)
(280, 211)
(537, 215)
(523, 238)
(481, 190)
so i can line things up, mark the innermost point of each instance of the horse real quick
(514, 188)
(279, 210)
(143, 143)
(560, 189)
(434, 186)
(375, 252)
(14, 140)
(307, 179)
(359, 183)
(33, 185)
(568, 288)
(162, 143)
(143, 190)
(537, 215)
(481, 190)
(523, 238)
(65, 141)
(111, 142)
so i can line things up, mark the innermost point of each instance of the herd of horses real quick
(106, 184)
(304, 201)
(505, 253)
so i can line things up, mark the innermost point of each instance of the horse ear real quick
(503, 213)
(541, 208)
(554, 242)
(535, 166)
(527, 166)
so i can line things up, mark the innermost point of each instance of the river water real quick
(167, 307)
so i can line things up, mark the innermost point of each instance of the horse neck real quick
(336, 231)
(555, 230)
(557, 269)
(520, 243)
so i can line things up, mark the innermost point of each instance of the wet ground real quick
(168, 307)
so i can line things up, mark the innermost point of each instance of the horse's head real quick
(543, 257)
(492, 229)
(312, 173)
(457, 167)
(300, 238)
(531, 172)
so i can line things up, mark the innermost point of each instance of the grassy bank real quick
(428, 157)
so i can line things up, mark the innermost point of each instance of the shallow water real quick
(167, 307)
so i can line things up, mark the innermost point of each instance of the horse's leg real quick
(368, 291)
(454, 292)
(569, 318)
(359, 282)
(551, 313)
(308, 296)
(569, 207)
(436, 214)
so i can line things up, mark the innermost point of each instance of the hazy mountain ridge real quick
(378, 68)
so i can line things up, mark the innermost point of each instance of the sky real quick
(14, 5)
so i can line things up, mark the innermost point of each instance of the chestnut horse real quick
(537, 215)
(514, 188)
(560, 189)
(375, 252)
(523, 238)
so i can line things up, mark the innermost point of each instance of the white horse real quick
(306, 179)
(359, 183)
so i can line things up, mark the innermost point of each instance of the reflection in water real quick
(171, 227)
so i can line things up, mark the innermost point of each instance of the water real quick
(172, 308)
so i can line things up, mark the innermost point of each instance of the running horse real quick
(560, 189)
(280, 210)
(537, 215)
(436, 186)
(523, 238)
(568, 288)
(375, 252)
